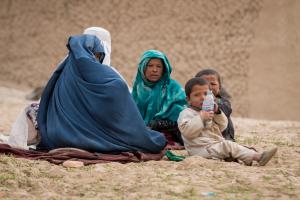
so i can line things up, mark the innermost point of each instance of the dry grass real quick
(189, 179)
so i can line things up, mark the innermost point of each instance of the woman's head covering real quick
(104, 36)
(87, 105)
(164, 99)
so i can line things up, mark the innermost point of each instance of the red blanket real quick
(58, 156)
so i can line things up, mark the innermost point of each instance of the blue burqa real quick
(87, 105)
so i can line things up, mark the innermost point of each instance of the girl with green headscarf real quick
(159, 98)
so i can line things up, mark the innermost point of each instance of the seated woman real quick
(24, 132)
(105, 39)
(87, 105)
(159, 98)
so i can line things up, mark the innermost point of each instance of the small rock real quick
(73, 164)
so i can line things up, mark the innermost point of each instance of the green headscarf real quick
(164, 99)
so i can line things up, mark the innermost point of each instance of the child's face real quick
(197, 95)
(213, 82)
(154, 70)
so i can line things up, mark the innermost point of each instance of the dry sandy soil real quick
(189, 179)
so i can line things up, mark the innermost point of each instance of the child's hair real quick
(223, 93)
(191, 83)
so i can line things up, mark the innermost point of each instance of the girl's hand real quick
(206, 115)
(216, 108)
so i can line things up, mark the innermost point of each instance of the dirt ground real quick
(189, 179)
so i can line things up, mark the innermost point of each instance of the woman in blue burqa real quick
(87, 105)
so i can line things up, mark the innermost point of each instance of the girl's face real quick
(197, 95)
(154, 70)
(213, 82)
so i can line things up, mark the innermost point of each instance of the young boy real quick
(208, 141)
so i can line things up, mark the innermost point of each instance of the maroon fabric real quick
(169, 137)
(172, 145)
(61, 155)
(175, 147)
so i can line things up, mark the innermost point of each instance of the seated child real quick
(214, 80)
(207, 141)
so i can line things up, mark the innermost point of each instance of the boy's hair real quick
(191, 83)
(223, 92)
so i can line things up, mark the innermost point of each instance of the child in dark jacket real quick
(222, 97)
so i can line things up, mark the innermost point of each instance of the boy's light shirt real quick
(195, 135)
